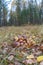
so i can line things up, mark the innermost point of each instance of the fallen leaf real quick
(39, 58)
(41, 63)
(30, 57)
(10, 57)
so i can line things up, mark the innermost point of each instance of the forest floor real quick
(18, 45)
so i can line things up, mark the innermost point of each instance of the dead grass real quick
(9, 32)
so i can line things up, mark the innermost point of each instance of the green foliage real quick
(24, 13)
(3, 13)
